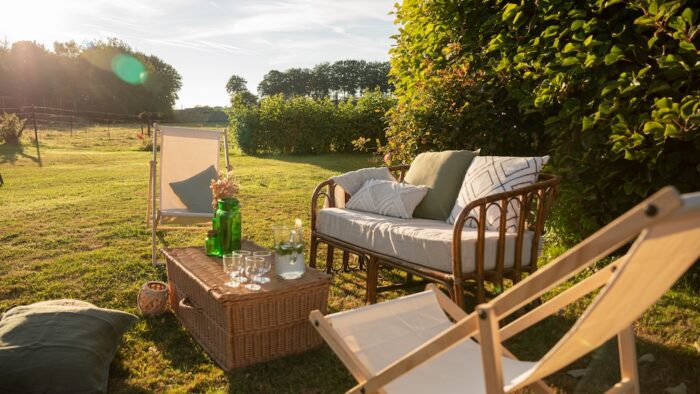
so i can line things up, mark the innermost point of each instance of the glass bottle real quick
(227, 223)
(211, 244)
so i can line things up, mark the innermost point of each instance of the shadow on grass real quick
(174, 342)
(315, 371)
(601, 367)
(10, 153)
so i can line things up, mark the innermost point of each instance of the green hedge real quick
(609, 88)
(307, 125)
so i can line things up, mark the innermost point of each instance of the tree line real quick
(327, 108)
(338, 80)
(300, 125)
(99, 76)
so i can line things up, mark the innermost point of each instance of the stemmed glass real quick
(241, 266)
(252, 264)
(264, 267)
(232, 268)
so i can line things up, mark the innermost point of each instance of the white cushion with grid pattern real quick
(489, 175)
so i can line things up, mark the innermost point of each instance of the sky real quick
(209, 40)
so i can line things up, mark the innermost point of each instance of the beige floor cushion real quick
(421, 241)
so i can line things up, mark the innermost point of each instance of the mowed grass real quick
(72, 225)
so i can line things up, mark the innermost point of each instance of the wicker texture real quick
(153, 298)
(236, 326)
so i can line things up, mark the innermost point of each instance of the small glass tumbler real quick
(251, 271)
(265, 267)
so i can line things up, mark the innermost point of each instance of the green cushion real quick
(61, 346)
(442, 173)
(194, 192)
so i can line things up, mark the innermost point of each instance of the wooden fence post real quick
(36, 133)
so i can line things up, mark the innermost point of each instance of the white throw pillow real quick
(388, 198)
(489, 175)
(352, 181)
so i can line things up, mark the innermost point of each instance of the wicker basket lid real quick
(208, 271)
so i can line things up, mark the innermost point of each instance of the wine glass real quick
(265, 266)
(232, 264)
(251, 271)
(241, 266)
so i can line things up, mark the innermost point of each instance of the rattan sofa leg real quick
(314, 251)
(457, 292)
(372, 279)
(480, 290)
(329, 259)
(346, 261)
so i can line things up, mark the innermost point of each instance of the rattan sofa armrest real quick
(546, 181)
(324, 188)
(544, 190)
(400, 170)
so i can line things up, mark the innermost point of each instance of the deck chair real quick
(426, 343)
(184, 153)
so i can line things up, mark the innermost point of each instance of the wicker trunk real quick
(236, 326)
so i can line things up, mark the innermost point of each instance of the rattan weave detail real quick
(236, 326)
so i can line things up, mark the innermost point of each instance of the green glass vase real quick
(227, 223)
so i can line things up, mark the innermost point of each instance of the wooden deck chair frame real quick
(153, 209)
(483, 323)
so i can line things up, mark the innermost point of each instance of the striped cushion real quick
(387, 198)
(489, 175)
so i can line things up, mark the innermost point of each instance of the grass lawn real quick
(72, 225)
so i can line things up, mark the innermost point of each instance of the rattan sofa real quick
(431, 249)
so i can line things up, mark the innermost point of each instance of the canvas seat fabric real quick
(184, 153)
(383, 333)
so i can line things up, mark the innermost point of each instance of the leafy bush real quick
(306, 125)
(11, 128)
(610, 89)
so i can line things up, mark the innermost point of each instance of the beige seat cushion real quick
(421, 241)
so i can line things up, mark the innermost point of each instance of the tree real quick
(321, 80)
(236, 84)
(271, 84)
(342, 79)
(86, 77)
